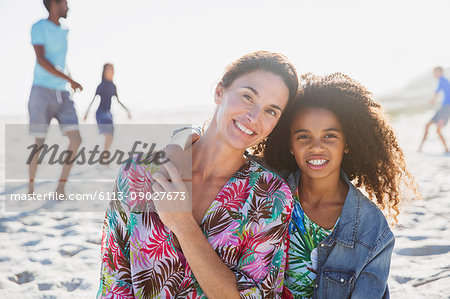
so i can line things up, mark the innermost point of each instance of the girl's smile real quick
(317, 163)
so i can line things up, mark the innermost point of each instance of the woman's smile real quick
(249, 108)
(244, 129)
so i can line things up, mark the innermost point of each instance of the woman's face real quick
(250, 107)
(318, 142)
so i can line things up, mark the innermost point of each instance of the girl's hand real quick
(85, 117)
(172, 198)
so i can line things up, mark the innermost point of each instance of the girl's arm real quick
(123, 106)
(87, 111)
(372, 281)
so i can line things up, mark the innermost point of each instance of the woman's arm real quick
(214, 277)
(372, 281)
(262, 260)
(115, 270)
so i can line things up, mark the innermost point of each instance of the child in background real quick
(106, 90)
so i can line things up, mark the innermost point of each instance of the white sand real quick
(56, 255)
(421, 260)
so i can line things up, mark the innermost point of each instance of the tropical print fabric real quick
(304, 235)
(246, 224)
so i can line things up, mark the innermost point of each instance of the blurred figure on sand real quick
(106, 91)
(49, 97)
(441, 116)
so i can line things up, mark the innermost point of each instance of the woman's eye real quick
(272, 112)
(247, 97)
(302, 137)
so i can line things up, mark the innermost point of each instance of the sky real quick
(171, 54)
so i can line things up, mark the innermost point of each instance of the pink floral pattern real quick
(247, 225)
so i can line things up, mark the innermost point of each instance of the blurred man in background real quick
(49, 97)
(443, 114)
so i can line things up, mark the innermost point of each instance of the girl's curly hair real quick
(375, 160)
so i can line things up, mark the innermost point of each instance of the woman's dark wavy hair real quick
(375, 160)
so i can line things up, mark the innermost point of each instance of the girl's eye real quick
(330, 136)
(302, 137)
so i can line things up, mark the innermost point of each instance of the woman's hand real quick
(172, 198)
(213, 275)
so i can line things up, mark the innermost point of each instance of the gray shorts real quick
(443, 114)
(45, 104)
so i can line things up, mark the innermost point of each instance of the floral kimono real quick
(246, 224)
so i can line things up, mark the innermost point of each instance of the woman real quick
(232, 242)
(340, 242)
(106, 90)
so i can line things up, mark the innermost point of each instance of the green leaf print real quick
(131, 223)
(253, 178)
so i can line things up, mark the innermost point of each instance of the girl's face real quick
(249, 108)
(318, 142)
(109, 73)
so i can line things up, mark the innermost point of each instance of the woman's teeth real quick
(243, 129)
(317, 162)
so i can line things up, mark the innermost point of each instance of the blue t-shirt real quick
(54, 39)
(106, 90)
(444, 85)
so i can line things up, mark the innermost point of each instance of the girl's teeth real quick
(243, 129)
(317, 162)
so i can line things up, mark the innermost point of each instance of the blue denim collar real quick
(347, 227)
(345, 232)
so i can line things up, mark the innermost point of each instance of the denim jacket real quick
(354, 260)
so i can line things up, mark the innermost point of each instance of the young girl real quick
(231, 243)
(106, 90)
(340, 242)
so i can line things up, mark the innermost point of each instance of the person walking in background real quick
(106, 90)
(443, 114)
(49, 97)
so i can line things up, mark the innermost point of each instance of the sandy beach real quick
(421, 260)
(57, 254)
(168, 59)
